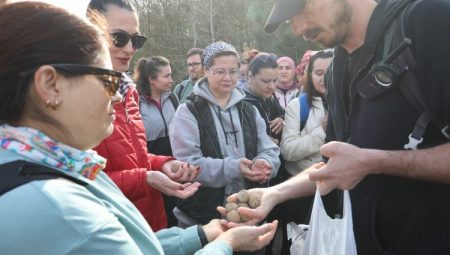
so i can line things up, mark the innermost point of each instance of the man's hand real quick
(346, 167)
(164, 184)
(268, 201)
(180, 171)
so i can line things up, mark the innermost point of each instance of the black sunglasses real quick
(110, 78)
(121, 39)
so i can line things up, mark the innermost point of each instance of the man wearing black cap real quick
(388, 119)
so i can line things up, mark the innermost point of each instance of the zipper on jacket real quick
(347, 111)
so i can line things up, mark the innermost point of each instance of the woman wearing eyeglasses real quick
(54, 197)
(216, 130)
(129, 163)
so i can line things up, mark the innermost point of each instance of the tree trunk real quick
(194, 24)
(211, 20)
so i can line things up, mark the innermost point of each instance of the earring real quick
(47, 103)
(55, 104)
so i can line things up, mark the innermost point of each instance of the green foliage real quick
(175, 26)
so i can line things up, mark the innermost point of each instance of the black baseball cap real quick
(282, 10)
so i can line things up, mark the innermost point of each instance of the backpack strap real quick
(182, 87)
(174, 100)
(304, 110)
(410, 89)
(20, 172)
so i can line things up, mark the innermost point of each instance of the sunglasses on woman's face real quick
(121, 39)
(111, 79)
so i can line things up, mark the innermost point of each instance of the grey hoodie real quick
(151, 116)
(185, 141)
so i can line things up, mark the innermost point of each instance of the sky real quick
(77, 7)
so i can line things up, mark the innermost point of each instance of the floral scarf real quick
(37, 147)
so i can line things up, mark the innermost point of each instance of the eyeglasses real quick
(111, 79)
(195, 64)
(234, 73)
(121, 39)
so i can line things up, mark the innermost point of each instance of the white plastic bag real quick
(297, 234)
(325, 236)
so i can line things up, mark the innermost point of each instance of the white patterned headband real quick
(215, 48)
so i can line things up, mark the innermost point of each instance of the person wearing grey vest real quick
(216, 130)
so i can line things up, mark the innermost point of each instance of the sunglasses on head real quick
(121, 39)
(111, 79)
(264, 57)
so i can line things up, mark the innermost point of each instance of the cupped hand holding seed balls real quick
(244, 200)
(260, 202)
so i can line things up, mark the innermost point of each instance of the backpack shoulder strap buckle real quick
(446, 131)
(413, 143)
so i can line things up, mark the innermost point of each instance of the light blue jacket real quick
(61, 217)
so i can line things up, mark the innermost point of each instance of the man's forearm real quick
(431, 164)
(295, 187)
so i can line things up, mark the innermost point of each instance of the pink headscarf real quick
(292, 65)
(288, 60)
(301, 68)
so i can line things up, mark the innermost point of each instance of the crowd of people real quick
(94, 161)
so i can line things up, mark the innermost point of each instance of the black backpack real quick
(20, 172)
(394, 36)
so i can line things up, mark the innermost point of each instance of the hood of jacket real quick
(201, 89)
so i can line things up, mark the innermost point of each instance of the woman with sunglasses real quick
(222, 134)
(129, 163)
(55, 107)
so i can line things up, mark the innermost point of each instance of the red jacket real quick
(128, 160)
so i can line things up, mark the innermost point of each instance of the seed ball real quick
(234, 216)
(254, 202)
(231, 206)
(243, 196)
(243, 205)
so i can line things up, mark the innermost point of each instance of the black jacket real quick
(393, 215)
(269, 109)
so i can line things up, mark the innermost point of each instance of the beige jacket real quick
(301, 150)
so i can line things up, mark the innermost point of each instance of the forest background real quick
(174, 26)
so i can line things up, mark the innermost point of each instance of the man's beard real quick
(341, 26)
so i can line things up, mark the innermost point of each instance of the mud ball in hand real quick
(231, 207)
(243, 205)
(254, 201)
(234, 216)
(243, 196)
